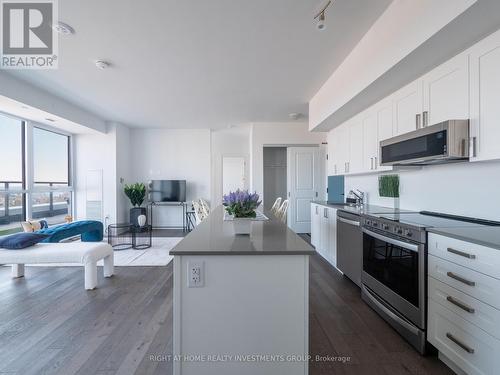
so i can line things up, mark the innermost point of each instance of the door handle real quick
(472, 147)
(417, 121)
(350, 222)
(462, 305)
(425, 119)
(461, 253)
(461, 279)
(465, 347)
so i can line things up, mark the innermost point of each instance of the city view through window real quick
(49, 195)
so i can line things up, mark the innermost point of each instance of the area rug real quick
(156, 255)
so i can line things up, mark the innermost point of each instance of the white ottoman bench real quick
(84, 253)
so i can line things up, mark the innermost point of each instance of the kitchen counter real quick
(214, 236)
(367, 209)
(225, 293)
(488, 236)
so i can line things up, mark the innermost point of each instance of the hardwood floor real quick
(50, 325)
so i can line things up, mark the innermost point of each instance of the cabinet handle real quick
(472, 147)
(376, 162)
(465, 347)
(316, 210)
(371, 163)
(335, 168)
(348, 166)
(417, 121)
(325, 213)
(462, 305)
(461, 253)
(461, 279)
(425, 119)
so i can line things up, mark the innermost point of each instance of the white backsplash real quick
(469, 189)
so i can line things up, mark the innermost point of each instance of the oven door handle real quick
(393, 241)
(389, 313)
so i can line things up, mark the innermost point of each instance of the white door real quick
(303, 175)
(446, 91)
(355, 160)
(485, 94)
(233, 173)
(408, 108)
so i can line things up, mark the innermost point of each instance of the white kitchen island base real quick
(249, 318)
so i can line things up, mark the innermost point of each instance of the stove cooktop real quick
(426, 219)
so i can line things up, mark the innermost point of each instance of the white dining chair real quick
(276, 206)
(198, 212)
(204, 207)
(281, 215)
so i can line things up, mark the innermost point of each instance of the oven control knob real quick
(398, 230)
(368, 222)
(375, 224)
(408, 233)
(385, 227)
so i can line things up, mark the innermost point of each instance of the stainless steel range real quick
(395, 267)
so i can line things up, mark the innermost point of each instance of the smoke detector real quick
(295, 115)
(101, 64)
(63, 28)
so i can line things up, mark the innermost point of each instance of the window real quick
(12, 197)
(51, 198)
(34, 183)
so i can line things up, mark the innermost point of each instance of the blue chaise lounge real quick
(90, 231)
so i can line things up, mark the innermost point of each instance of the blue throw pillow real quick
(21, 240)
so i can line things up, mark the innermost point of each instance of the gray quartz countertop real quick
(214, 236)
(367, 209)
(481, 235)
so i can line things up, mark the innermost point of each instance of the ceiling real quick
(200, 64)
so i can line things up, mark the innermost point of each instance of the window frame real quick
(31, 188)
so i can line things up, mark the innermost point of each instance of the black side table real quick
(141, 237)
(120, 236)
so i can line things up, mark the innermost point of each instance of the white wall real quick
(468, 189)
(172, 154)
(228, 142)
(109, 153)
(404, 26)
(269, 134)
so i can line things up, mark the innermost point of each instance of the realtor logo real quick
(28, 40)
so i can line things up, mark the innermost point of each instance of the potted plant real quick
(241, 206)
(136, 193)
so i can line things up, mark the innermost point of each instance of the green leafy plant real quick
(388, 186)
(136, 193)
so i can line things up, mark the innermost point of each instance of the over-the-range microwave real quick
(445, 142)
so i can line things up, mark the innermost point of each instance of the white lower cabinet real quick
(324, 231)
(315, 221)
(464, 305)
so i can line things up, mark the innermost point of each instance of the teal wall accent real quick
(336, 189)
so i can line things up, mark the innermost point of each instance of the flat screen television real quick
(167, 191)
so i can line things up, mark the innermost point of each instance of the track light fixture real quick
(320, 16)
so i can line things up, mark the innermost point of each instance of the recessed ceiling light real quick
(25, 107)
(101, 64)
(50, 119)
(63, 28)
(295, 115)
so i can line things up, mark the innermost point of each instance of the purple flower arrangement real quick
(241, 203)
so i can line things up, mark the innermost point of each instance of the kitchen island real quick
(241, 302)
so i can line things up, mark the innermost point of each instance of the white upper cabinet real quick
(485, 99)
(355, 161)
(446, 91)
(342, 144)
(407, 107)
(370, 149)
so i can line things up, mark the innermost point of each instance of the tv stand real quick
(184, 208)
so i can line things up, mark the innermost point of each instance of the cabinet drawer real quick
(479, 258)
(467, 307)
(469, 347)
(482, 287)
